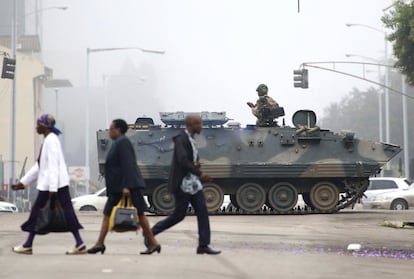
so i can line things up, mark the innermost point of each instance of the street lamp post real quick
(88, 52)
(105, 93)
(39, 11)
(63, 8)
(13, 101)
(36, 13)
(56, 102)
(56, 84)
(405, 129)
(380, 117)
(386, 91)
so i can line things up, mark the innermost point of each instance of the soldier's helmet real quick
(262, 90)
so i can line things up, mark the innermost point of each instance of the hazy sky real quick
(217, 51)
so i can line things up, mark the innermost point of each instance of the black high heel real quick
(152, 250)
(95, 250)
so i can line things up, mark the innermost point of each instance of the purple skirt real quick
(63, 196)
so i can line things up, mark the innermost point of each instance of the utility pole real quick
(405, 129)
(13, 101)
(387, 99)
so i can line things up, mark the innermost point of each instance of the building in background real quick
(30, 75)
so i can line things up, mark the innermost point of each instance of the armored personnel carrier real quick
(259, 165)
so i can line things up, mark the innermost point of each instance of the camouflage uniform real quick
(264, 106)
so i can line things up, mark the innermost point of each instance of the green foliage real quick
(401, 21)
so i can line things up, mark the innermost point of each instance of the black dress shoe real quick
(207, 250)
(95, 250)
(149, 251)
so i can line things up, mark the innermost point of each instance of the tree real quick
(401, 21)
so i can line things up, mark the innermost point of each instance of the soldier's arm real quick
(255, 111)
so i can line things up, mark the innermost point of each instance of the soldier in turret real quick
(265, 108)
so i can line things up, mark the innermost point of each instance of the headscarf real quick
(49, 121)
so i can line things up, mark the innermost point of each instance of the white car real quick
(381, 185)
(395, 200)
(8, 207)
(92, 202)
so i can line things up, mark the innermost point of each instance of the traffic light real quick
(9, 66)
(301, 78)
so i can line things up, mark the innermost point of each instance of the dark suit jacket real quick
(182, 162)
(121, 169)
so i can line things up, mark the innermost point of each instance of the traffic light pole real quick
(314, 65)
(13, 102)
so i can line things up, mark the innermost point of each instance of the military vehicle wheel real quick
(233, 201)
(162, 200)
(250, 197)
(214, 196)
(324, 196)
(306, 200)
(282, 197)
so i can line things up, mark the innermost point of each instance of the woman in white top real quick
(52, 177)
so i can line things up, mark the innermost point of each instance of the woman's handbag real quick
(123, 216)
(51, 218)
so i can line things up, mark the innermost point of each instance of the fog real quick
(216, 53)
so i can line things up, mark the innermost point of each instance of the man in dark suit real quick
(184, 183)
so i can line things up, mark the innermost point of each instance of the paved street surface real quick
(310, 246)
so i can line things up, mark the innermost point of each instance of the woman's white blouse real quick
(52, 173)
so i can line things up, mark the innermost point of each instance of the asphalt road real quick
(309, 246)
